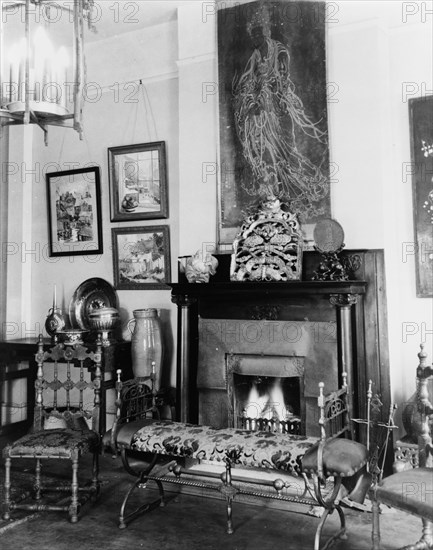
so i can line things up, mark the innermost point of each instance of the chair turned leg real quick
(95, 475)
(427, 532)
(37, 486)
(7, 486)
(375, 533)
(73, 508)
(426, 541)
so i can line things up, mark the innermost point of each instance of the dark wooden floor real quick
(188, 523)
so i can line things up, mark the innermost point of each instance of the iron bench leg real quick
(228, 491)
(141, 483)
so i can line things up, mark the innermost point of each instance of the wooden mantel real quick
(226, 290)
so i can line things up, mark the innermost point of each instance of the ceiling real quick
(114, 18)
(110, 18)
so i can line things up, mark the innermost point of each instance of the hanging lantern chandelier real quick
(42, 66)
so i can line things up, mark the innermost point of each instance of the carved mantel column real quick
(183, 381)
(343, 303)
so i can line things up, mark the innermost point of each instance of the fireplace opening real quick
(266, 393)
(267, 403)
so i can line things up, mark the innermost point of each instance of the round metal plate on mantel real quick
(328, 235)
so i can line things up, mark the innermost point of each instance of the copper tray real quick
(91, 295)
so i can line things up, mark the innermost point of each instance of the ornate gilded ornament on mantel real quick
(268, 246)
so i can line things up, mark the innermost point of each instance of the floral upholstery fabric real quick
(54, 443)
(254, 449)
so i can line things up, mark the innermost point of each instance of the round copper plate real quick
(91, 295)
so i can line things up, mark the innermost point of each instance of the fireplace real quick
(264, 374)
(265, 393)
(299, 333)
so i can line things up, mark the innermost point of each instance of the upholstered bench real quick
(308, 459)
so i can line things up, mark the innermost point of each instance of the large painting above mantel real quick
(273, 110)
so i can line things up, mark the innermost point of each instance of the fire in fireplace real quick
(264, 392)
(267, 403)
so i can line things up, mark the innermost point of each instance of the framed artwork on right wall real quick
(421, 134)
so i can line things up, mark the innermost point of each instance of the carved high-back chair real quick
(65, 426)
(412, 490)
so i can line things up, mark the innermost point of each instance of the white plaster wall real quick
(197, 128)
(376, 53)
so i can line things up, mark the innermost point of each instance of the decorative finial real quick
(422, 356)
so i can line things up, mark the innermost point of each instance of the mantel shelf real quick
(230, 288)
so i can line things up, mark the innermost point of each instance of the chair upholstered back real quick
(68, 387)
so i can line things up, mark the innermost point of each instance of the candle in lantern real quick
(61, 64)
(42, 49)
(13, 81)
(32, 84)
(39, 61)
(16, 71)
(21, 91)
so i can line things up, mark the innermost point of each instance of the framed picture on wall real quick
(138, 182)
(74, 212)
(141, 257)
(421, 128)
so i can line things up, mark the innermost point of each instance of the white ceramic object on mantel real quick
(200, 267)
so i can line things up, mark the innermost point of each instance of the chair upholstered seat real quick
(341, 457)
(410, 491)
(57, 443)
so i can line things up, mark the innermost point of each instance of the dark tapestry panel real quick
(421, 122)
(273, 112)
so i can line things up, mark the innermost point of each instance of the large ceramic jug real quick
(146, 343)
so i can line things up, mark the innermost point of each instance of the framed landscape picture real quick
(138, 182)
(141, 257)
(74, 212)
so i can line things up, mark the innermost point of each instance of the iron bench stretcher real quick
(304, 467)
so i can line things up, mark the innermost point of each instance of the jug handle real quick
(129, 325)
